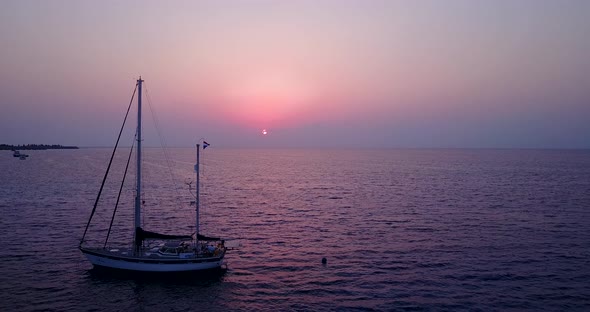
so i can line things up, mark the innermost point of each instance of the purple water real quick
(400, 229)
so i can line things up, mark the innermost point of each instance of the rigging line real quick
(120, 190)
(163, 144)
(108, 167)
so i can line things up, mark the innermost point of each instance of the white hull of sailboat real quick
(145, 264)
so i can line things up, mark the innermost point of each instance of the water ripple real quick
(415, 230)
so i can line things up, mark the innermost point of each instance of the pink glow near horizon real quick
(389, 73)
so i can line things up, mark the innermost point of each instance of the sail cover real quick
(141, 235)
(207, 238)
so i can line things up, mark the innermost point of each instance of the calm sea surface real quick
(401, 230)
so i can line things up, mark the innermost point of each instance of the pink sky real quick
(314, 73)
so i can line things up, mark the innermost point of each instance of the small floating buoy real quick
(324, 260)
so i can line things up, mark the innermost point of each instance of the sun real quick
(264, 132)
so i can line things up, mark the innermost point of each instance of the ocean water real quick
(426, 230)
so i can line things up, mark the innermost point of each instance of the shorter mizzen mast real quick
(197, 204)
(197, 195)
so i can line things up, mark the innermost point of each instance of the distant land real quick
(34, 147)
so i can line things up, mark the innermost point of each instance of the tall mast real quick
(197, 203)
(138, 190)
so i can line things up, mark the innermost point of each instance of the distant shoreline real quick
(25, 147)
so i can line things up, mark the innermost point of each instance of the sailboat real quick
(172, 253)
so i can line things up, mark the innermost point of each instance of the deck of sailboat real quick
(150, 256)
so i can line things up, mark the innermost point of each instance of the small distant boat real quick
(150, 251)
(20, 155)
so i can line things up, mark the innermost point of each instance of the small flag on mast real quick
(205, 144)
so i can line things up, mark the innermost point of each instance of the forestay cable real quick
(108, 167)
